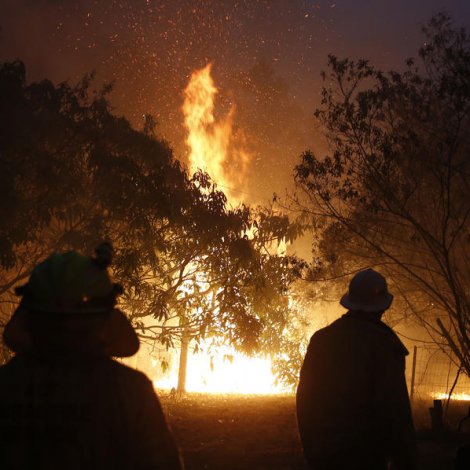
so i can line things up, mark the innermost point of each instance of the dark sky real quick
(267, 58)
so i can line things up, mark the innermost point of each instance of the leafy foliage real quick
(393, 192)
(72, 173)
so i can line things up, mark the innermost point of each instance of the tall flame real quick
(213, 148)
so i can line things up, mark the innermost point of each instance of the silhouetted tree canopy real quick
(69, 166)
(73, 173)
(394, 191)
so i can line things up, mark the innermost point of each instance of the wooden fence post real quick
(437, 422)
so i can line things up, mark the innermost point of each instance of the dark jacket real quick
(352, 399)
(75, 411)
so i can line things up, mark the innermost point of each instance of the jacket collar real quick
(374, 318)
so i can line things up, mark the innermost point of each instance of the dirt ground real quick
(236, 432)
(259, 433)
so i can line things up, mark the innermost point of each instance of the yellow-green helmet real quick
(71, 283)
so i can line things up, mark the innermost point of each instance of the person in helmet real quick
(353, 409)
(64, 402)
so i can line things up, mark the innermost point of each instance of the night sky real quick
(267, 56)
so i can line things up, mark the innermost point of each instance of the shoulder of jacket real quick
(370, 331)
(324, 332)
(384, 335)
(17, 362)
(128, 373)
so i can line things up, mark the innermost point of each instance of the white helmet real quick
(367, 293)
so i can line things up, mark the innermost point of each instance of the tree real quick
(394, 191)
(72, 173)
(216, 284)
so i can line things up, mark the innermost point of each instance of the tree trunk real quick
(185, 339)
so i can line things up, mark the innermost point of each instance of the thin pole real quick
(413, 373)
(452, 390)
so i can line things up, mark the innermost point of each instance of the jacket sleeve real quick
(155, 447)
(392, 408)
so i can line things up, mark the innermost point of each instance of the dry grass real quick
(259, 432)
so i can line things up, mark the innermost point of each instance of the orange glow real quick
(455, 396)
(214, 149)
(221, 369)
(240, 375)
(211, 143)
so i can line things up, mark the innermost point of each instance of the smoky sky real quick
(267, 57)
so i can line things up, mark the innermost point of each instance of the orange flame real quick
(461, 396)
(238, 375)
(215, 149)
(212, 145)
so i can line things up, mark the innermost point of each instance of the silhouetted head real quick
(367, 293)
(69, 303)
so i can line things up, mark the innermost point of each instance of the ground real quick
(242, 432)
(259, 433)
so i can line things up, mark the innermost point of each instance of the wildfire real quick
(226, 372)
(212, 145)
(462, 396)
(215, 149)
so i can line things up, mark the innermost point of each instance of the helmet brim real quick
(379, 305)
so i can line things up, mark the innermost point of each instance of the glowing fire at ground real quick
(455, 396)
(213, 149)
(240, 375)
